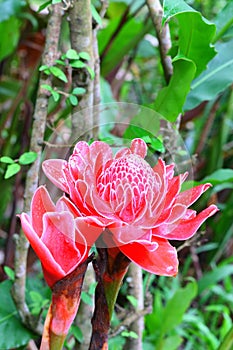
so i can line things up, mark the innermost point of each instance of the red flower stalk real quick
(56, 233)
(141, 206)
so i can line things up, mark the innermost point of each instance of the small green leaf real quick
(7, 160)
(92, 287)
(77, 333)
(55, 95)
(84, 56)
(47, 87)
(78, 91)
(58, 73)
(11, 170)
(95, 15)
(86, 298)
(132, 300)
(56, 1)
(27, 158)
(42, 68)
(72, 54)
(9, 272)
(130, 334)
(60, 62)
(35, 297)
(78, 64)
(43, 6)
(91, 72)
(73, 100)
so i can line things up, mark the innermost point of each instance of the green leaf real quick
(217, 77)
(11, 170)
(43, 6)
(224, 20)
(91, 72)
(128, 38)
(7, 160)
(56, 1)
(92, 288)
(195, 36)
(210, 278)
(73, 100)
(13, 333)
(72, 54)
(47, 87)
(10, 8)
(35, 297)
(27, 158)
(132, 300)
(78, 64)
(86, 298)
(173, 7)
(219, 176)
(78, 91)
(58, 73)
(182, 297)
(227, 343)
(130, 334)
(77, 333)
(9, 272)
(10, 33)
(43, 67)
(55, 95)
(172, 342)
(84, 56)
(170, 99)
(95, 15)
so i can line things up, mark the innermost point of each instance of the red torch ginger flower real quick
(141, 206)
(55, 232)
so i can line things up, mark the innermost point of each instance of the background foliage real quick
(195, 309)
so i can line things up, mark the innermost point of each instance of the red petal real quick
(41, 203)
(162, 261)
(59, 237)
(139, 147)
(53, 169)
(53, 271)
(184, 228)
(190, 196)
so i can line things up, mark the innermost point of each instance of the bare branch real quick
(163, 35)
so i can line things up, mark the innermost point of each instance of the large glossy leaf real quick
(215, 79)
(195, 37)
(174, 7)
(10, 8)
(170, 100)
(13, 333)
(195, 33)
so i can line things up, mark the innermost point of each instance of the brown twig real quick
(163, 35)
(38, 128)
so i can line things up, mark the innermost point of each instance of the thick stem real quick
(110, 268)
(38, 128)
(66, 295)
(82, 40)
